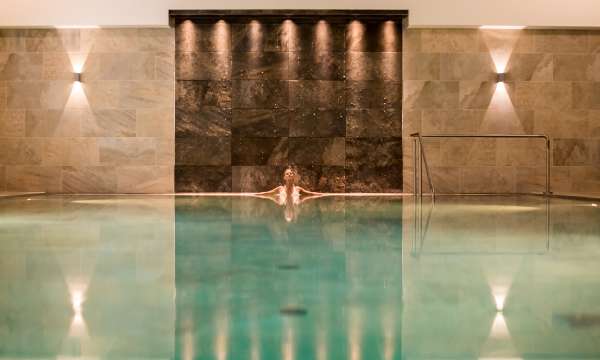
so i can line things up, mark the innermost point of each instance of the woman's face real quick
(288, 176)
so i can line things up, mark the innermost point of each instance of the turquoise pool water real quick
(162, 277)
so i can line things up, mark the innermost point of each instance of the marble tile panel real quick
(53, 123)
(421, 66)
(127, 151)
(108, 123)
(575, 152)
(203, 179)
(256, 178)
(56, 95)
(127, 66)
(504, 42)
(384, 66)
(102, 94)
(530, 179)
(331, 179)
(165, 151)
(158, 39)
(57, 66)
(20, 151)
(467, 66)
(317, 123)
(323, 65)
(164, 66)
(203, 66)
(145, 179)
(261, 123)
(586, 95)
(146, 94)
(259, 151)
(594, 124)
(155, 123)
(449, 40)
(477, 94)
(431, 94)
(378, 152)
(569, 123)
(89, 179)
(260, 94)
(508, 121)
(25, 95)
(205, 121)
(488, 180)
(446, 179)
(318, 94)
(70, 152)
(12, 123)
(468, 152)
(260, 66)
(192, 35)
(193, 95)
(11, 41)
(33, 178)
(3, 95)
(452, 121)
(317, 151)
(374, 123)
(109, 40)
(521, 152)
(374, 36)
(203, 151)
(530, 67)
(317, 36)
(544, 95)
(20, 66)
(574, 67)
(256, 36)
(374, 179)
(53, 40)
(561, 41)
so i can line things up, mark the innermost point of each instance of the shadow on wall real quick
(113, 132)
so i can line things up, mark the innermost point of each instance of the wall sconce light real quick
(500, 77)
(77, 77)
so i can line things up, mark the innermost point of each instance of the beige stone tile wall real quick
(552, 87)
(113, 133)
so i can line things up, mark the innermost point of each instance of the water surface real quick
(162, 277)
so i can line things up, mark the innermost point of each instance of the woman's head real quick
(289, 176)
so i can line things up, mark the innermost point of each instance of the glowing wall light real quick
(500, 77)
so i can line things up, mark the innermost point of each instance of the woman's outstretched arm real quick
(303, 191)
(270, 192)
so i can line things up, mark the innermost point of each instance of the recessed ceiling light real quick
(502, 27)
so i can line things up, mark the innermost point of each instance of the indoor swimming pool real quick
(341, 277)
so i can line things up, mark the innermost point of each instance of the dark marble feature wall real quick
(253, 97)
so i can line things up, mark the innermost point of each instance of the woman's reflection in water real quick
(289, 195)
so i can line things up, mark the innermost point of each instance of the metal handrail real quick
(422, 159)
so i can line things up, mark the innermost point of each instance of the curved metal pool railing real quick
(420, 159)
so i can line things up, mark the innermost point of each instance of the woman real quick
(289, 193)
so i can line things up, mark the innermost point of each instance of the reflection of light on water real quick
(499, 328)
(322, 344)
(388, 319)
(288, 345)
(188, 346)
(78, 327)
(499, 293)
(354, 334)
(222, 336)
